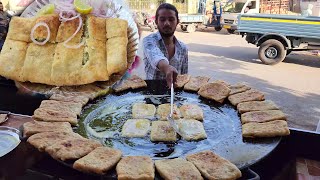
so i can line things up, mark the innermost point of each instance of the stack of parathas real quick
(103, 54)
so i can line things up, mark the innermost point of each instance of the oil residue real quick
(221, 122)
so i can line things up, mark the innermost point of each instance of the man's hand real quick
(170, 72)
(171, 75)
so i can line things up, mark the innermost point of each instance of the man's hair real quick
(167, 6)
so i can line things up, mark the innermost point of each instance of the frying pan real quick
(102, 120)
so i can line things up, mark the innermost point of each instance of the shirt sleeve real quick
(152, 52)
(184, 69)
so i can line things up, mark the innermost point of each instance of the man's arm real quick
(158, 60)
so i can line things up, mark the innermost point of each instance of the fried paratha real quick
(256, 106)
(45, 139)
(164, 110)
(177, 169)
(98, 161)
(262, 116)
(51, 115)
(191, 111)
(34, 127)
(162, 131)
(213, 166)
(135, 167)
(142, 110)
(71, 149)
(182, 79)
(195, 83)
(250, 95)
(214, 91)
(135, 128)
(266, 129)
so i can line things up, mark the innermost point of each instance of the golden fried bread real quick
(45, 139)
(262, 116)
(142, 110)
(191, 111)
(69, 98)
(72, 148)
(98, 161)
(136, 82)
(164, 110)
(52, 115)
(213, 166)
(41, 32)
(117, 57)
(192, 130)
(135, 167)
(195, 83)
(214, 91)
(182, 79)
(116, 28)
(38, 63)
(60, 105)
(162, 131)
(266, 129)
(238, 88)
(94, 65)
(222, 82)
(67, 29)
(256, 106)
(135, 128)
(34, 127)
(96, 28)
(20, 28)
(66, 67)
(178, 168)
(249, 95)
(12, 59)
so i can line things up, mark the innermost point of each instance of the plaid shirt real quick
(155, 50)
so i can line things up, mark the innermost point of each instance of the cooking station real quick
(26, 162)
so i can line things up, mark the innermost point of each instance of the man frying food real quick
(164, 55)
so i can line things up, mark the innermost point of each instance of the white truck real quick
(233, 8)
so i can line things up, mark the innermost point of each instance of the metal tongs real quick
(170, 116)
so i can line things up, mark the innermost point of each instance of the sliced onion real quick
(64, 19)
(73, 35)
(34, 28)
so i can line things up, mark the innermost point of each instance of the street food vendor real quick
(164, 55)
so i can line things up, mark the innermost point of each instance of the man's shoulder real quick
(183, 46)
(150, 37)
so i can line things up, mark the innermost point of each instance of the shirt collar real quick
(159, 37)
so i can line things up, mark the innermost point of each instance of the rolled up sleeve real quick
(152, 52)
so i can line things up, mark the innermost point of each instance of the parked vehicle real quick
(233, 8)
(279, 35)
(190, 22)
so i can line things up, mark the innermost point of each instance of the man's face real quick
(166, 22)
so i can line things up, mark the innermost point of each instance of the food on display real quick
(250, 95)
(191, 111)
(135, 128)
(142, 110)
(182, 80)
(34, 127)
(214, 91)
(256, 106)
(163, 111)
(262, 116)
(162, 131)
(195, 83)
(135, 167)
(267, 129)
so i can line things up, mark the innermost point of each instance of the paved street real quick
(294, 84)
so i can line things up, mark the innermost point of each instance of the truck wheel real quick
(183, 28)
(218, 28)
(191, 28)
(272, 52)
(231, 31)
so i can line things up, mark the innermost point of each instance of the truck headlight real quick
(236, 22)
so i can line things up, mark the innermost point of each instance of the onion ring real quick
(34, 28)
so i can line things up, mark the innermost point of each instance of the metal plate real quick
(104, 119)
(9, 139)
